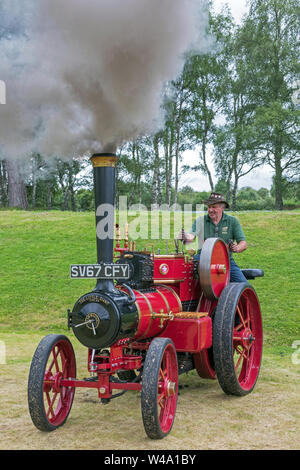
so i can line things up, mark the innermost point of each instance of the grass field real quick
(36, 250)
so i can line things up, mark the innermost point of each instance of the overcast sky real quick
(238, 7)
(259, 178)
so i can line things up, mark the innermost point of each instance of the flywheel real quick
(214, 267)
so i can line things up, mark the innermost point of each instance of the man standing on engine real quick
(217, 224)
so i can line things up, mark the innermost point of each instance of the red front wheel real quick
(50, 403)
(159, 388)
(237, 339)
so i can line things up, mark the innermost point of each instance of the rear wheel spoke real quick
(241, 317)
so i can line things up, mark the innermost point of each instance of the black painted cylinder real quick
(104, 165)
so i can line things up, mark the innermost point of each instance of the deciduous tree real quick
(269, 40)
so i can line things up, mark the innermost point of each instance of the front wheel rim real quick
(57, 399)
(167, 389)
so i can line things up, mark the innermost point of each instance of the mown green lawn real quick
(37, 248)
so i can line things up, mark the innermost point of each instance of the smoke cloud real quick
(87, 75)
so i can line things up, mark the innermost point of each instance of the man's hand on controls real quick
(185, 237)
(238, 248)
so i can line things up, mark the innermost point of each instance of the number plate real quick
(99, 271)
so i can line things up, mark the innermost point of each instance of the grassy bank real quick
(37, 248)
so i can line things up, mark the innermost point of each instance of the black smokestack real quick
(104, 165)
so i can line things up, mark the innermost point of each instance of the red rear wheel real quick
(49, 402)
(159, 388)
(237, 339)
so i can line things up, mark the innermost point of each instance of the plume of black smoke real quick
(86, 75)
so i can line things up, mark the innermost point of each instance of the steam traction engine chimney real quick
(104, 165)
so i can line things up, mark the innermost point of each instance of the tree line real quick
(238, 102)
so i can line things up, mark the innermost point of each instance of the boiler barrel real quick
(153, 306)
(100, 319)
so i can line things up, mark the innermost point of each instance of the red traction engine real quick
(172, 314)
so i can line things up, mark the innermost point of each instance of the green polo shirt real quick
(228, 228)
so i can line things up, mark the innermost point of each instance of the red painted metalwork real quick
(203, 360)
(161, 301)
(190, 289)
(159, 388)
(113, 360)
(214, 267)
(97, 384)
(177, 271)
(220, 267)
(167, 389)
(169, 268)
(189, 335)
(247, 339)
(57, 397)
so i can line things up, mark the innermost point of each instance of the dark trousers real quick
(236, 274)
